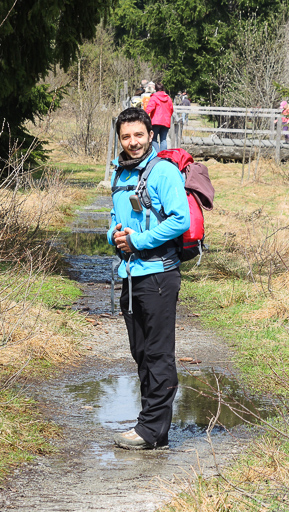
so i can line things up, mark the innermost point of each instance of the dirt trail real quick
(89, 473)
(91, 402)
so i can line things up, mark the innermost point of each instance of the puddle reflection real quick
(116, 402)
(89, 244)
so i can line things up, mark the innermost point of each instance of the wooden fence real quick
(267, 139)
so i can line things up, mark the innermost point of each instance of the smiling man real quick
(145, 240)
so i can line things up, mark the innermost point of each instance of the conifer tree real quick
(35, 35)
(187, 38)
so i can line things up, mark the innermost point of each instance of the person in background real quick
(149, 90)
(285, 118)
(143, 85)
(136, 100)
(185, 103)
(160, 108)
(178, 98)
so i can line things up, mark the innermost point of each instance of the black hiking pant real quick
(151, 331)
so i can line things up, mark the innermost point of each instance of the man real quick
(178, 98)
(150, 272)
(185, 103)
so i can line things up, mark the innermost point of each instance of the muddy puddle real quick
(92, 402)
(114, 403)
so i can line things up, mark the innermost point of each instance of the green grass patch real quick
(103, 209)
(57, 291)
(230, 307)
(24, 433)
(82, 173)
(54, 291)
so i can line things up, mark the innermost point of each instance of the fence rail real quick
(250, 115)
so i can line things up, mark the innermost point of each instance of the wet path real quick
(92, 402)
(90, 473)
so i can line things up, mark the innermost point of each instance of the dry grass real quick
(243, 285)
(67, 139)
(259, 479)
(50, 198)
(251, 222)
(43, 334)
(29, 331)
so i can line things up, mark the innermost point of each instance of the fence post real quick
(272, 126)
(115, 152)
(125, 88)
(173, 135)
(177, 135)
(109, 149)
(278, 139)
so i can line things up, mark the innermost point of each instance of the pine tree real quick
(187, 38)
(35, 35)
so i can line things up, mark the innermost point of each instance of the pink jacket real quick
(160, 107)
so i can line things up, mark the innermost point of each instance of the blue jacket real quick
(166, 189)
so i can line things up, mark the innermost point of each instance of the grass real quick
(58, 291)
(257, 482)
(241, 292)
(82, 173)
(230, 289)
(39, 332)
(23, 432)
(54, 291)
(44, 340)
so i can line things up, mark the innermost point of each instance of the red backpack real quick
(200, 195)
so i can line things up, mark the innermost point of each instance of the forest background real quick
(222, 53)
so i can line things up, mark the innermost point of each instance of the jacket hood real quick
(161, 96)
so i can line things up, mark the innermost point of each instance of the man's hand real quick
(120, 238)
(118, 232)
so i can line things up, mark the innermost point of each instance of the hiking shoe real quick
(132, 441)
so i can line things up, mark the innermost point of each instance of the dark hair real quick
(159, 87)
(132, 114)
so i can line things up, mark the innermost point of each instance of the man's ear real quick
(151, 134)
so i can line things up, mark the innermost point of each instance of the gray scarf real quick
(131, 163)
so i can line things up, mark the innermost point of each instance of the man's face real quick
(135, 138)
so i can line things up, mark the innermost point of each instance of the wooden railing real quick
(222, 115)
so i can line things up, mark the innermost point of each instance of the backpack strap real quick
(142, 192)
(141, 189)
(116, 188)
